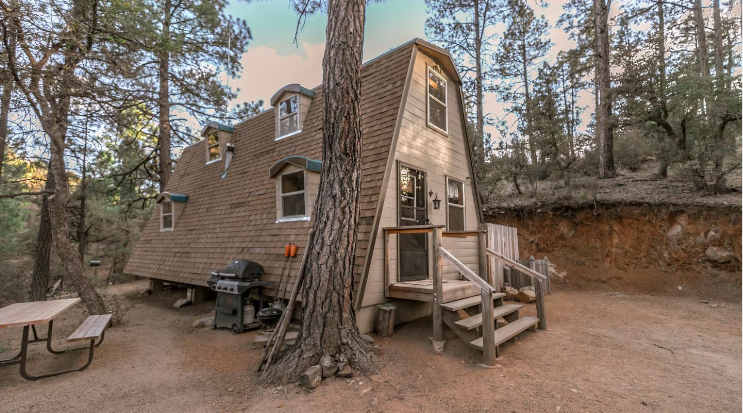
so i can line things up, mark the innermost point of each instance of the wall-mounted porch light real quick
(436, 200)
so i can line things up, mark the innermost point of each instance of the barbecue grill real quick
(233, 285)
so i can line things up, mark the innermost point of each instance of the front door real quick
(413, 248)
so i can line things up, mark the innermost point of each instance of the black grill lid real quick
(242, 269)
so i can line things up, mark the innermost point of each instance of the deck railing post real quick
(482, 243)
(386, 263)
(438, 285)
(488, 330)
(539, 292)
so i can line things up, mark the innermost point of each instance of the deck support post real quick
(488, 330)
(386, 263)
(539, 293)
(438, 286)
(482, 243)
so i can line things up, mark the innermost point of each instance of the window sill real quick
(166, 229)
(214, 161)
(437, 129)
(294, 219)
(288, 135)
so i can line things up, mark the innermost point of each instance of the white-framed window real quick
(292, 195)
(437, 113)
(289, 116)
(454, 205)
(166, 215)
(212, 147)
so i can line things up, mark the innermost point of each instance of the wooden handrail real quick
(513, 264)
(468, 273)
(411, 229)
(460, 234)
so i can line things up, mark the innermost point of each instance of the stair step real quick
(476, 320)
(503, 334)
(467, 302)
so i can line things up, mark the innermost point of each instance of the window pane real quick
(293, 205)
(436, 86)
(288, 125)
(407, 201)
(213, 152)
(456, 192)
(292, 182)
(437, 114)
(167, 207)
(167, 221)
(213, 138)
(288, 106)
(456, 218)
(407, 213)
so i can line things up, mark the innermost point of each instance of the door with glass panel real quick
(413, 248)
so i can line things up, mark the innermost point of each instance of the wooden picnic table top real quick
(36, 312)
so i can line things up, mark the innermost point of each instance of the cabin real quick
(245, 191)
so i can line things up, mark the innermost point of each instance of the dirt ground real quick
(603, 352)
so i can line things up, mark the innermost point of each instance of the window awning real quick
(293, 88)
(216, 126)
(300, 161)
(172, 197)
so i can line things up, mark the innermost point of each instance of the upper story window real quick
(454, 204)
(289, 116)
(437, 113)
(292, 195)
(166, 215)
(212, 147)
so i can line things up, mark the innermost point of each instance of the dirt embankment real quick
(688, 250)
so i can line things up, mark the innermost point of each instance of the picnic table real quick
(29, 315)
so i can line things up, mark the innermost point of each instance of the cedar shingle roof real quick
(235, 217)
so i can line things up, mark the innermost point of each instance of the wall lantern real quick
(436, 200)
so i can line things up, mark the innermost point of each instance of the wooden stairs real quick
(469, 329)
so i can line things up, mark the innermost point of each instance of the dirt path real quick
(603, 352)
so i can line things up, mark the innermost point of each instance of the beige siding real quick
(439, 155)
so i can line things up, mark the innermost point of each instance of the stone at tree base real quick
(367, 338)
(328, 366)
(719, 255)
(312, 377)
(511, 293)
(181, 303)
(526, 296)
(344, 370)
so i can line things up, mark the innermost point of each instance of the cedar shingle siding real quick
(235, 217)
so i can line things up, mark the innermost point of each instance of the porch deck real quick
(422, 290)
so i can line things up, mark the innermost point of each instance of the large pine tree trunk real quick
(7, 85)
(604, 129)
(527, 102)
(479, 100)
(328, 318)
(163, 102)
(43, 248)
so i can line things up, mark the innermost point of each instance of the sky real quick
(273, 60)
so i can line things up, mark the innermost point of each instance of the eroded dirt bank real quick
(693, 250)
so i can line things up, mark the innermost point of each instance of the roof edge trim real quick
(300, 161)
(292, 88)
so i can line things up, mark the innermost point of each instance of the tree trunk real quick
(82, 233)
(7, 85)
(479, 102)
(604, 129)
(43, 248)
(527, 103)
(163, 141)
(721, 180)
(328, 318)
(702, 53)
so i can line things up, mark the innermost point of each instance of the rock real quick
(511, 293)
(344, 370)
(374, 402)
(714, 305)
(366, 390)
(204, 322)
(328, 366)
(704, 301)
(181, 303)
(312, 377)
(719, 255)
(341, 358)
(676, 232)
(714, 234)
(526, 296)
(367, 338)
(527, 288)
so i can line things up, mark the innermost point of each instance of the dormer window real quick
(289, 116)
(166, 216)
(437, 114)
(212, 142)
(171, 205)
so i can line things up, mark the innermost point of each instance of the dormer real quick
(216, 136)
(292, 102)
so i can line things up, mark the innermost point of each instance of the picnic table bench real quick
(29, 315)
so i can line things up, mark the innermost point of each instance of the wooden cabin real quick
(245, 191)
